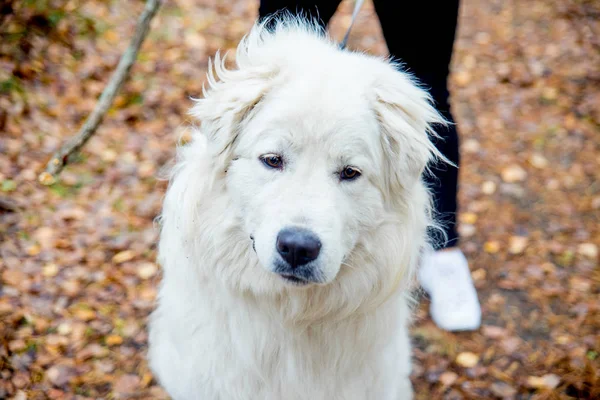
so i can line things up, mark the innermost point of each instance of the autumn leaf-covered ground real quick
(77, 259)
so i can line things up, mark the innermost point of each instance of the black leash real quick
(357, 6)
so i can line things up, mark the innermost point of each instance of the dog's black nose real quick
(298, 246)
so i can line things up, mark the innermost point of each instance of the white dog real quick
(292, 226)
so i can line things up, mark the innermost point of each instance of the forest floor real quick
(77, 259)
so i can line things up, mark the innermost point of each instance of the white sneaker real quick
(445, 276)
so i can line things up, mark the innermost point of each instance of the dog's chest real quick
(236, 353)
(302, 365)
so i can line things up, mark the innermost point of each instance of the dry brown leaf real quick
(467, 359)
(60, 375)
(85, 314)
(13, 277)
(462, 78)
(513, 173)
(479, 274)
(491, 246)
(468, 218)
(493, 332)
(65, 328)
(589, 250)
(147, 270)
(503, 390)
(114, 340)
(45, 236)
(471, 146)
(448, 378)
(550, 93)
(548, 381)
(17, 345)
(123, 256)
(50, 270)
(517, 244)
(538, 160)
(488, 187)
(127, 384)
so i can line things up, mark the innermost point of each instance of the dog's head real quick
(316, 148)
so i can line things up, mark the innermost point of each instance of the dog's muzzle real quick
(298, 249)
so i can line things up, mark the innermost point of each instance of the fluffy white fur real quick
(226, 326)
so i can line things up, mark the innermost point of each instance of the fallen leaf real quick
(13, 277)
(64, 328)
(548, 381)
(85, 314)
(60, 375)
(108, 155)
(5, 309)
(479, 274)
(549, 93)
(467, 230)
(146, 379)
(50, 270)
(517, 244)
(57, 340)
(488, 187)
(538, 161)
(114, 340)
(195, 40)
(34, 250)
(467, 359)
(510, 345)
(468, 218)
(580, 284)
(8, 185)
(20, 395)
(123, 256)
(127, 384)
(93, 350)
(17, 345)
(147, 270)
(493, 332)
(471, 146)
(513, 173)
(448, 378)
(503, 390)
(146, 169)
(482, 38)
(462, 78)
(491, 247)
(589, 250)
(563, 339)
(71, 287)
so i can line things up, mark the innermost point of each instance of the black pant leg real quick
(322, 10)
(421, 35)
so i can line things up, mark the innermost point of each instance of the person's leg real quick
(322, 10)
(421, 35)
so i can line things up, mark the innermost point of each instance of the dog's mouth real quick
(300, 276)
(295, 280)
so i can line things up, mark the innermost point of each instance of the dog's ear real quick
(406, 118)
(228, 102)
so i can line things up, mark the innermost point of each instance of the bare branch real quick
(60, 159)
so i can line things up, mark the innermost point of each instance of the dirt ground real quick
(77, 259)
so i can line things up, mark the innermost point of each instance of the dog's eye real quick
(272, 161)
(349, 173)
